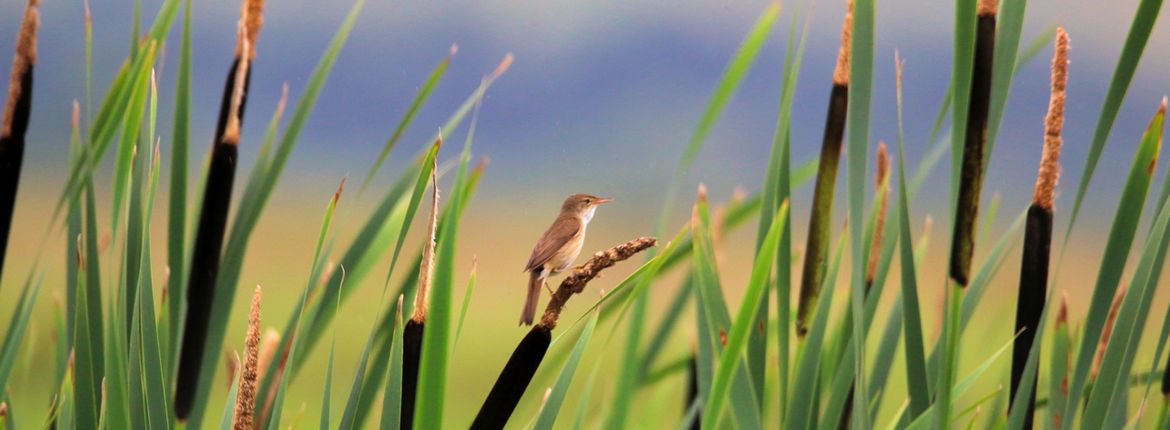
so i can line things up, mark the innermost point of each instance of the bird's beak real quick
(601, 200)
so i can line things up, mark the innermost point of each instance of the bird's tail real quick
(535, 283)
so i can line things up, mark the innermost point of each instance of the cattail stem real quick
(14, 122)
(1038, 234)
(522, 365)
(217, 196)
(971, 179)
(820, 219)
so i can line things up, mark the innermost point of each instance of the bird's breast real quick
(565, 256)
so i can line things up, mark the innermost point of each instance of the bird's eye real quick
(587, 201)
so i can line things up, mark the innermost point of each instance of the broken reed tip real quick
(1107, 330)
(883, 163)
(26, 57)
(340, 189)
(75, 119)
(1049, 174)
(987, 7)
(251, 19)
(702, 192)
(502, 67)
(881, 177)
(268, 346)
(231, 365)
(1062, 311)
(841, 71)
(399, 309)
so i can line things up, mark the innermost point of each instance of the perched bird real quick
(558, 247)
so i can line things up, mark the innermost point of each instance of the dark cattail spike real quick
(975, 139)
(1033, 287)
(413, 331)
(526, 358)
(217, 194)
(14, 121)
(820, 219)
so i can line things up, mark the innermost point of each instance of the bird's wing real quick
(557, 235)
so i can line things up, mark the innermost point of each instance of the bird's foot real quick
(550, 290)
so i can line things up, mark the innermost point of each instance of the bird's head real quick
(583, 205)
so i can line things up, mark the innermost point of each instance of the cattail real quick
(217, 196)
(1038, 234)
(412, 334)
(526, 358)
(881, 182)
(975, 139)
(1107, 331)
(246, 396)
(817, 245)
(14, 122)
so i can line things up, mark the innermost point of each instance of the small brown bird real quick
(558, 247)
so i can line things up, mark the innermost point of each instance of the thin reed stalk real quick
(820, 219)
(14, 122)
(975, 140)
(412, 334)
(246, 396)
(527, 356)
(1033, 288)
(209, 236)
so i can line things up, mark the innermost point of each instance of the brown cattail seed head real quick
(987, 7)
(246, 397)
(26, 56)
(428, 259)
(251, 18)
(841, 72)
(1049, 174)
(231, 132)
